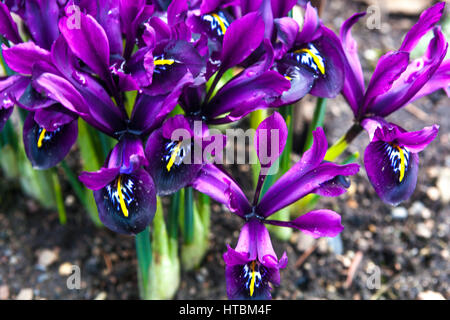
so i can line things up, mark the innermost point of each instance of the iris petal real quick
(45, 148)
(249, 281)
(392, 170)
(172, 164)
(127, 205)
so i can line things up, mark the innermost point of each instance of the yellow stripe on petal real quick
(316, 59)
(402, 164)
(221, 24)
(173, 156)
(252, 283)
(123, 206)
(163, 62)
(41, 138)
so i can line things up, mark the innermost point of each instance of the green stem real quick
(144, 257)
(318, 118)
(59, 198)
(174, 211)
(165, 267)
(204, 207)
(341, 145)
(188, 215)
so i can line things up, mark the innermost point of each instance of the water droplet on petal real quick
(78, 77)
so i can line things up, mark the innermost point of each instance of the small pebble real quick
(25, 294)
(65, 269)
(422, 230)
(430, 295)
(4, 292)
(101, 296)
(433, 193)
(47, 257)
(419, 209)
(399, 213)
(443, 185)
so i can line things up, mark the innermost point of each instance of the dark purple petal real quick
(127, 205)
(32, 100)
(417, 141)
(126, 157)
(170, 67)
(354, 87)
(248, 6)
(150, 111)
(41, 18)
(103, 113)
(294, 185)
(23, 56)
(61, 90)
(209, 6)
(439, 80)
(5, 113)
(317, 223)
(175, 123)
(99, 179)
(11, 89)
(8, 27)
(253, 264)
(281, 8)
(334, 187)
(270, 139)
(314, 156)
(417, 74)
(53, 117)
(246, 94)
(389, 68)
(287, 30)
(89, 43)
(392, 170)
(311, 23)
(217, 184)
(45, 148)
(173, 164)
(301, 79)
(427, 20)
(109, 19)
(132, 14)
(306, 176)
(237, 45)
(176, 12)
(128, 154)
(330, 84)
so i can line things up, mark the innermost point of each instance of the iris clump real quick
(156, 77)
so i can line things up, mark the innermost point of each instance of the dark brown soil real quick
(412, 253)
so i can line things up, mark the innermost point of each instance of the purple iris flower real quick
(175, 159)
(395, 82)
(50, 128)
(253, 263)
(311, 59)
(255, 87)
(124, 191)
(391, 158)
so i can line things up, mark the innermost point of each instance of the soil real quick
(411, 253)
